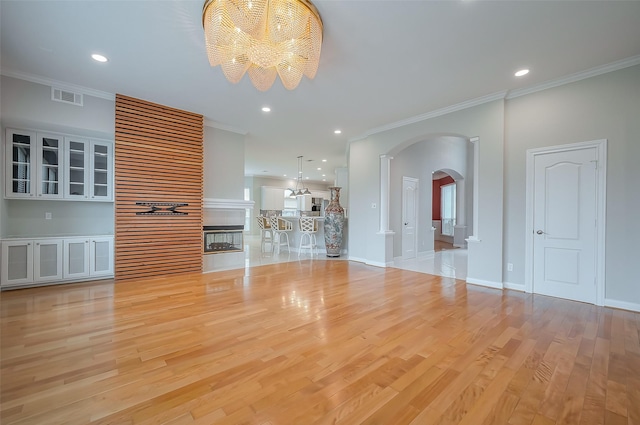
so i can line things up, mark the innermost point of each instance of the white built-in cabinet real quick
(101, 256)
(47, 260)
(29, 262)
(44, 165)
(76, 261)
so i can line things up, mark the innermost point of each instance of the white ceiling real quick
(381, 62)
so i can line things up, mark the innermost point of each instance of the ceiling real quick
(381, 62)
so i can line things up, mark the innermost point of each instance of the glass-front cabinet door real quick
(20, 163)
(102, 169)
(76, 168)
(49, 166)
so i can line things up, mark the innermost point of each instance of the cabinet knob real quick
(31, 194)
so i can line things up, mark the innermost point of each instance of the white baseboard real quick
(370, 263)
(379, 264)
(422, 254)
(624, 305)
(514, 286)
(487, 283)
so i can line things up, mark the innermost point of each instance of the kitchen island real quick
(295, 234)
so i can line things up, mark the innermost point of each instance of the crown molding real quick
(220, 126)
(613, 66)
(572, 78)
(433, 114)
(58, 84)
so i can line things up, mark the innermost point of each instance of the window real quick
(448, 208)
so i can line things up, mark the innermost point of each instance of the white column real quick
(460, 228)
(461, 211)
(476, 168)
(385, 182)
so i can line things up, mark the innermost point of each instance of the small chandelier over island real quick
(265, 38)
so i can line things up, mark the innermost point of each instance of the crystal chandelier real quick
(265, 38)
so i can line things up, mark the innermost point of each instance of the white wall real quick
(27, 105)
(602, 107)
(223, 164)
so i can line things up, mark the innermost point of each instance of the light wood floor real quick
(313, 342)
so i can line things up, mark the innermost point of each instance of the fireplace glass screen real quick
(216, 241)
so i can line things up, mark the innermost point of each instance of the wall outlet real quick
(510, 267)
(47, 216)
(373, 205)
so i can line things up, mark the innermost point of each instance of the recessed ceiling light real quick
(266, 109)
(337, 131)
(99, 58)
(324, 175)
(324, 180)
(284, 175)
(324, 160)
(319, 169)
(522, 72)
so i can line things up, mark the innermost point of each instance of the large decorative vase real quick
(333, 224)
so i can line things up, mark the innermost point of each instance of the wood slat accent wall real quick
(158, 158)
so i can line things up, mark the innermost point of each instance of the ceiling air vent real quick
(65, 96)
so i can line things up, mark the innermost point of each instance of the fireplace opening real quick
(219, 239)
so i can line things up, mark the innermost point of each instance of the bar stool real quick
(266, 235)
(279, 228)
(308, 230)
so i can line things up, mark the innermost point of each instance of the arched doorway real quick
(432, 158)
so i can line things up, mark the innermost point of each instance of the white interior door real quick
(409, 215)
(565, 195)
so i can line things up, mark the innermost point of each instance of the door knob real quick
(406, 224)
(539, 232)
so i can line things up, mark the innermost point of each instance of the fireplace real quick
(223, 238)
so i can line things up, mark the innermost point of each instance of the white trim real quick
(572, 78)
(433, 114)
(624, 305)
(513, 286)
(234, 204)
(370, 263)
(424, 254)
(601, 192)
(487, 283)
(58, 84)
(473, 239)
(379, 264)
(593, 72)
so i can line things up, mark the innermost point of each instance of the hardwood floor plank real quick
(312, 342)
